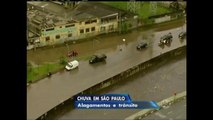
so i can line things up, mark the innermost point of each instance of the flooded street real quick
(159, 83)
(108, 42)
(49, 92)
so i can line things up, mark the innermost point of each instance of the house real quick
(53, 23)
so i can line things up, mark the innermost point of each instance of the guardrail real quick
(143, 67)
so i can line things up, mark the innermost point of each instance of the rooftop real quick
(49, 14)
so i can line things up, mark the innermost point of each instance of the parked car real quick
(72, 65)
(182, 35)
(166, 39)
(141, 45)
(97, 58)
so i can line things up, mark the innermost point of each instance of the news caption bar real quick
(112, 101)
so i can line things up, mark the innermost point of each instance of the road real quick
(176, 111)
(159, 83)
(87, 48)
(49, 92)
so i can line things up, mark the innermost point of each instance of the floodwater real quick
(49, 92)
(159, 83)
(91, 46)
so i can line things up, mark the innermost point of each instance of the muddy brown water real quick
(89, 47)
(160, 82)
(42, 95)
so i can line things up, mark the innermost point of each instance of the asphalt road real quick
(49, 92)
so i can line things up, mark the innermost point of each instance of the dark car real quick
(166, 39)
(97, 58)
(182, 35)
(141, 45)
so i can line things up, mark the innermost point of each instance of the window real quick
(70, 35)
(47, 38)
(111, 27)
(93, 29)
(87, 30)
(70, 25)
(81, 30)
(94, 21)
(87, 22)
(57, 36)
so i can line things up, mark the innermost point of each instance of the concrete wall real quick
(143, 67)
(162, 19)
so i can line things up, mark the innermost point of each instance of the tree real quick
(124, 27)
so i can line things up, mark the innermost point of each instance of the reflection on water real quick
(91, 47)
(46, 93)
(156, 85)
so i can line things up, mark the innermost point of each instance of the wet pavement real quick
(159, 83)
(176, 111)
(49, 92)
(87, 48)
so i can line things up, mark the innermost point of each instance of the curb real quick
(168, 101)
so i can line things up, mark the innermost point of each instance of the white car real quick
(72, 65)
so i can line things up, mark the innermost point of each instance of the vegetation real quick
(35, 73)
(144, 12)
(63, 60)
(38, 72)
(124, 27)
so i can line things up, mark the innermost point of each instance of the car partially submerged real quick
(166, 39)
(182, 35)
(141, 45)
(72, 65)
(97, 58)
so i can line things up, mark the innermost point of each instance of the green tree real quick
(124, 27)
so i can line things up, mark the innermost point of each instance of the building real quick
(52, 23)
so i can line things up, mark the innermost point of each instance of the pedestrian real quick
(73, 53)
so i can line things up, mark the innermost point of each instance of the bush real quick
(29, 67)
(124, 27)
(63, 60)
(130, 25)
